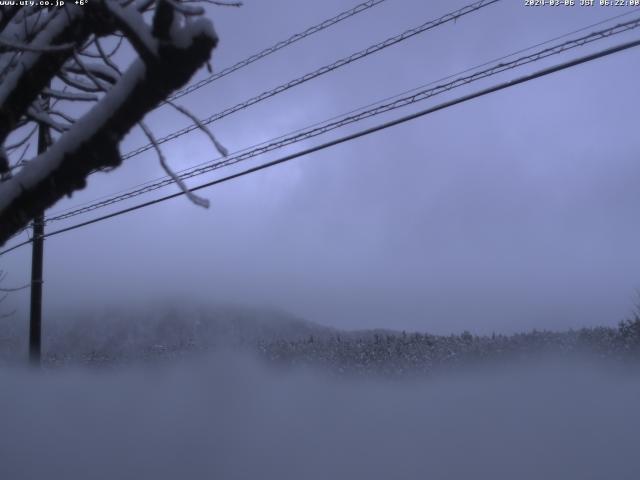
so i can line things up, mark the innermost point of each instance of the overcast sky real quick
(511, 212)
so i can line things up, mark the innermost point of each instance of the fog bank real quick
(226, 416)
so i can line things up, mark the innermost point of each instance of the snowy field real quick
(226, 416)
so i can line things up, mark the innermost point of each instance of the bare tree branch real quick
(221, 149)
(9, 45)
(71, 96)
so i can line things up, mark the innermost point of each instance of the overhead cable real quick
(414, 97)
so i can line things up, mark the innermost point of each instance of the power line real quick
(135, 188)
(359, 8)
(449, 17)
(268, 51)
(278, 46)
(22, 244)
(362, 133)
(377, 110)
(365, 114)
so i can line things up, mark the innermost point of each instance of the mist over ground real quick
(227, 416)
(240, 393)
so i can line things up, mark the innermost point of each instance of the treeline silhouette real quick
(391, 353)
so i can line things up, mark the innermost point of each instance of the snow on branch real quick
(170, 52)
(33, 70)
(196, 199)
(221, 149)
(98, 70)
(130, 22)
(43, 117)
(71, 96)
(186, 10)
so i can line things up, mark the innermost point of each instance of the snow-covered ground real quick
(227, 416)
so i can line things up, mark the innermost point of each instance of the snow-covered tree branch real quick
(70, 56)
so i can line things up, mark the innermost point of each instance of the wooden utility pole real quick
(35, 321)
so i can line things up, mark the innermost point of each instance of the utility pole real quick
(35, 321)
